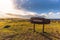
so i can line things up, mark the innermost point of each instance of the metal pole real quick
(34, 28)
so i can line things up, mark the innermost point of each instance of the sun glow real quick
(8, 9)
(6, 5)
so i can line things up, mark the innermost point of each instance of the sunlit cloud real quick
(51, 15)
(8, 10)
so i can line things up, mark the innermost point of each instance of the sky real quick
(40, 6)
(28, 8)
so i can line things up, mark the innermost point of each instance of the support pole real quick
(34, 28)
(43, 28)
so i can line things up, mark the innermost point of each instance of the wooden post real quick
(34, 28)
(43, 28)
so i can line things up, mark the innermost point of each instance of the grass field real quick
(23, 30)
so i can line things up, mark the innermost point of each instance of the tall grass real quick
(23, 30)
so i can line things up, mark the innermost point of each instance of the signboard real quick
(38, 20)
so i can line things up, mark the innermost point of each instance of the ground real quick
(23, 30)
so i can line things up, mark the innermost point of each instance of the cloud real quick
(51, 15)
(22, 14)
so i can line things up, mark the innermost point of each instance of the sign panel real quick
(38, 20)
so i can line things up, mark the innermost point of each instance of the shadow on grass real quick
(48, 35)
(52, 35)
